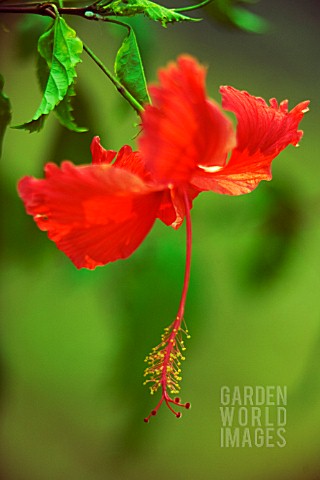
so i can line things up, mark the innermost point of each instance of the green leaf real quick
(64, 108)
(5, 112)
(231, 14)
(64, 112)
(129, 69)
(129, 8)
(60, 48)
(248, 21)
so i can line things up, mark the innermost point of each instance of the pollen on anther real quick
(164, 363)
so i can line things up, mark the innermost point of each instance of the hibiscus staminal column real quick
(164, 361)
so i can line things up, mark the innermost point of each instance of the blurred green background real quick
(73, 342)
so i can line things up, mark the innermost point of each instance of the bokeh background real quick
(73, 342)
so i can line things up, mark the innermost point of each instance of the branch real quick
(91, 12)
(46, 9)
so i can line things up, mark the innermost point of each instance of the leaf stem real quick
(121, 89)
(192, 7)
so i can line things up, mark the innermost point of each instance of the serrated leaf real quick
(64, 108)
(150, 9)
(64, 112)
(5, 112)
(33, 126)
(60, 48)
(129, 69)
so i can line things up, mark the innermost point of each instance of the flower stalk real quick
(165, 360)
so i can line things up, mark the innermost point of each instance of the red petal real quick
(132, 162)
(229, 181)
(263, 128)
(166, 212)
(99, 154)
(125, 159)
(95, 214)
(172, 207)
(183, 128)
(263, 132)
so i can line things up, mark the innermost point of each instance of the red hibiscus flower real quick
(100, 213)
